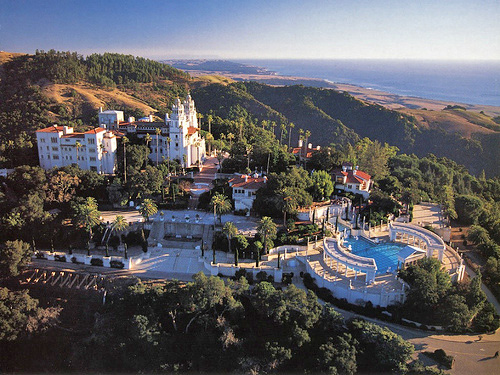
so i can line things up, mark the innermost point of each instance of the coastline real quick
(383, 98)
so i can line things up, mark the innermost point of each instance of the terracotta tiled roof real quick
(95, 131)
(192, 130)
(51, 129)
(250, 183)
(351, 179)
(301, 151)
(363, 175)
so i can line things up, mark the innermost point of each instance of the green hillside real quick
(334, 117)
(48, 87)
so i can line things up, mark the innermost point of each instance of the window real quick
(349, 186)
(55, 157)
(55, 149)
(42, 140)
(92, 150)
(47, 148)
(41, 156)
(53, 139)
(92, 158)
(48, 156)
(91, 141)
(176, 144)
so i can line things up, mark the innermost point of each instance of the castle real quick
(178, 137)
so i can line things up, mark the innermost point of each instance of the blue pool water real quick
(385, 255)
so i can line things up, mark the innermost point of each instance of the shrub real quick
(40, 255)
(96, 262)
(116, 264)
(59, 258)
(261, 276)
(287, 278)
(440, 356)
(243, 273)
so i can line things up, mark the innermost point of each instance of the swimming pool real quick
(385, 255)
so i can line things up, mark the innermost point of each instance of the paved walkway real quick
(428, 214)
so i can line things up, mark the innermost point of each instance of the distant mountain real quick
(217, 66)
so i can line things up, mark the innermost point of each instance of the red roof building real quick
(245, 189)
(352, 180)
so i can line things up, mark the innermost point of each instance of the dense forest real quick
(208, 325)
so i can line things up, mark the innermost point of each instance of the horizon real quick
(235, 30)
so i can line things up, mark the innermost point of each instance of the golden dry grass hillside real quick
(84, 98)
(462, 122)
(7, 56)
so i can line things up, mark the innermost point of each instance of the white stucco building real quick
(59, 146)
(244, 190)
(179, 135)
(352, 180)
(110, 118)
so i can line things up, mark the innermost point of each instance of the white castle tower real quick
(184, 133)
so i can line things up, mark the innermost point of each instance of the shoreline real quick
(383, 98)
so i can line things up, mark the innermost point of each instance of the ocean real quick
(470, 82)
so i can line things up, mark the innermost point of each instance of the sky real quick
(260, 29)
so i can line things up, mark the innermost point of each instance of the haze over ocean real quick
(471, 82)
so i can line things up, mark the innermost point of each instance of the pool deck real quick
(386, 282)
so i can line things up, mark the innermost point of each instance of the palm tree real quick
(273, 126)
(209, 119)
(103, 152)
(199, 116)
(158, 132)
(119, 224)
(184, 162)
(148, 139)
(148, 208)
(220, 204)
(125, 140)
(288, 204)
(78, 145)
(87, 215)
(282, 130)
(267, 230)
(290, 126)
(197, 144)
(248, 149)
(230, 231)
(230, 138)
(240, 122)
(168, 153)
(307, 135)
